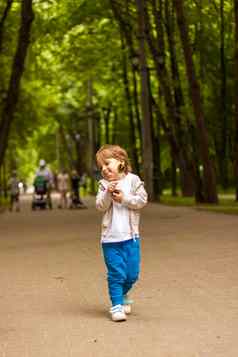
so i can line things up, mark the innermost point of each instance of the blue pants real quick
(123, 264)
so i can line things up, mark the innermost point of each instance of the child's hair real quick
(116, 152)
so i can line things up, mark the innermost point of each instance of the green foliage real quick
(75, 44)
(227, 203)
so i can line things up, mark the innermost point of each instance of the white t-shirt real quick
(119, 230)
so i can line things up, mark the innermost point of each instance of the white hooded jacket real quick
(134, 201)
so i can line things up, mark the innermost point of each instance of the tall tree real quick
(3, 19)
(158, 51)
(145, 103)
(236, 99)
(223, 155)
(128, 98)
(210, 191)
(126, 31)
(12, 96)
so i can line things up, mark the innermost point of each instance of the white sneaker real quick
(118, 313)
(127, 309)
(127, 304)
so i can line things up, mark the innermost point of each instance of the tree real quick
(3, 19)
(210, 192)
(236, 99)
(10, 103)
(145, 103)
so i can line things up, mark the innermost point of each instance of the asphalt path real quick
(54, 301)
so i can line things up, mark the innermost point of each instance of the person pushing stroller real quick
(44, 182)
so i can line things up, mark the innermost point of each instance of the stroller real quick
(40, 195)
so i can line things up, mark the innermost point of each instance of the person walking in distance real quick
(14, 191)
(76, 201)
(45, 172)
(63, 188)
(121, 195)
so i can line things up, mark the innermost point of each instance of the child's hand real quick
(117, 195)
(111, 187)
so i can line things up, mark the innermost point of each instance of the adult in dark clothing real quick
(75, 186)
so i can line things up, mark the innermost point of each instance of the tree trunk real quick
(201, 42)
(187, 176)
(115, 124)
(3, 19)
(176, 153)
(132, 133)
(236, 100)
(145, 104)
(4, 176)
(127, 32)
(136, 104)
(11, 100)
(106, 117)
(223, 154)
(173, 113)
(67, 147)
(173, 175)
(209, 171)
(91, 136)
(1, 184)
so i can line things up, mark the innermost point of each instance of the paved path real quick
(53, 299)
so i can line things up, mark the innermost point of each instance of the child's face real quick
(110, 169)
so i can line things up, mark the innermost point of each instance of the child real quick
(120, 196)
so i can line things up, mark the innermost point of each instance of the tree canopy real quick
(157, 77)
